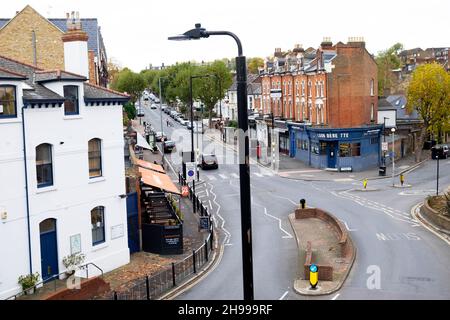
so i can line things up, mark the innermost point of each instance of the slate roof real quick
(57, 75)
(397, 102)
(94, 93)
(6, 74)
(40, 94)
(90, 26)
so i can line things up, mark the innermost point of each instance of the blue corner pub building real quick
(342, 149)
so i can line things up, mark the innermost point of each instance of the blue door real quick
(133, 222)
(332, 150)
(49, 249)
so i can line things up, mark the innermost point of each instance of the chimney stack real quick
(356, 41)
(326, 43)
(277, 53)
(76, 57)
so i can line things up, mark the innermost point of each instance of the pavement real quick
(294, 169)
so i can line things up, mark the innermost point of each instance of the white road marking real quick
(210, 204)
(258, 174)
(235, 175)
(288, 235)
(223, 176)
(346, 226)
(284, 295)
(294, 203)
(336, 296)
(344, 180)
(212, 178)
(227, 233)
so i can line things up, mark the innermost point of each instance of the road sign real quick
(275, 93)
(204, 223)
(384, 146)
(190, 171)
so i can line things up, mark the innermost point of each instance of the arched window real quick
(98, 225)
(95, 158)
(44, 166)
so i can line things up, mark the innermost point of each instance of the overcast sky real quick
(135, 32)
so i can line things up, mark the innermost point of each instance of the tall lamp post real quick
(393, 156)
(192, 120)
(437, 173)
(244, 158)
(160, 109)
(384, 140)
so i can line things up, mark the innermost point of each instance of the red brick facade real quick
(334, 86)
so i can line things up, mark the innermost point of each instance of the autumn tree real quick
(387, 61)
(429, 94)
(114, 68)
(254, 64)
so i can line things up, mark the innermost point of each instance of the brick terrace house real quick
(323, 104)
(30, 38)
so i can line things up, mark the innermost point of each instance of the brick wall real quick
(92, 67)
(17, 41)
(349, 85)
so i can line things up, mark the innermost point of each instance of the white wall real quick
(76, 57)
(73, 194)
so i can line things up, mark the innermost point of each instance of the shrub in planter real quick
(72, 262)
(447, 201)
(29, 282)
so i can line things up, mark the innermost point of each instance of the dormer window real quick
(71, 105)
(8, 107)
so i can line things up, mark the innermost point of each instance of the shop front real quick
(349, 149)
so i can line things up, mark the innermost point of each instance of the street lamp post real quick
(244, 159)
(160, 109)
(393, 156)
(437, 174)
(384, 140)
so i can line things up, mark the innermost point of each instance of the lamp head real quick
(193, 34)
(392, 130)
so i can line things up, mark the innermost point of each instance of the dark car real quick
(160, 137)
(440, 150)
(168, 146)
(209, 161)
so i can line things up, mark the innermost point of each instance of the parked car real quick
(209, 161)
(440, 150)
(168, 146)
(188, 125)
(160, 137)
(184, 122)
(153, 106)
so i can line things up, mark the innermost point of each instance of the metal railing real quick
(153, 287)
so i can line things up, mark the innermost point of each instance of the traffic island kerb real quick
(334, 251)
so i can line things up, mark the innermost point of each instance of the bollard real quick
(313, 276)
(303, 203)
(365, 181)
(147, 286)
(206, 250)
(173, 274)
(402, 179)
(193, 261)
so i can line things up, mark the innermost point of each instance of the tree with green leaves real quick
(212, 89)
(131, 83)
(429, 94)
(387, 61)
(254, 64)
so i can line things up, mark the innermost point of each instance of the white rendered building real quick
(62, 173)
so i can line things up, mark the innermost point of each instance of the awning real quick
(149, 165)
(141, 142)
(159, 180)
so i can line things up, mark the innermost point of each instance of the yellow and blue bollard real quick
(313, 276)
(365, 181)
(402, 179)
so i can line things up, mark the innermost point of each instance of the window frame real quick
(77, 106)
(3, 116)
(100, 159)
(102, 227)
(50, 182)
